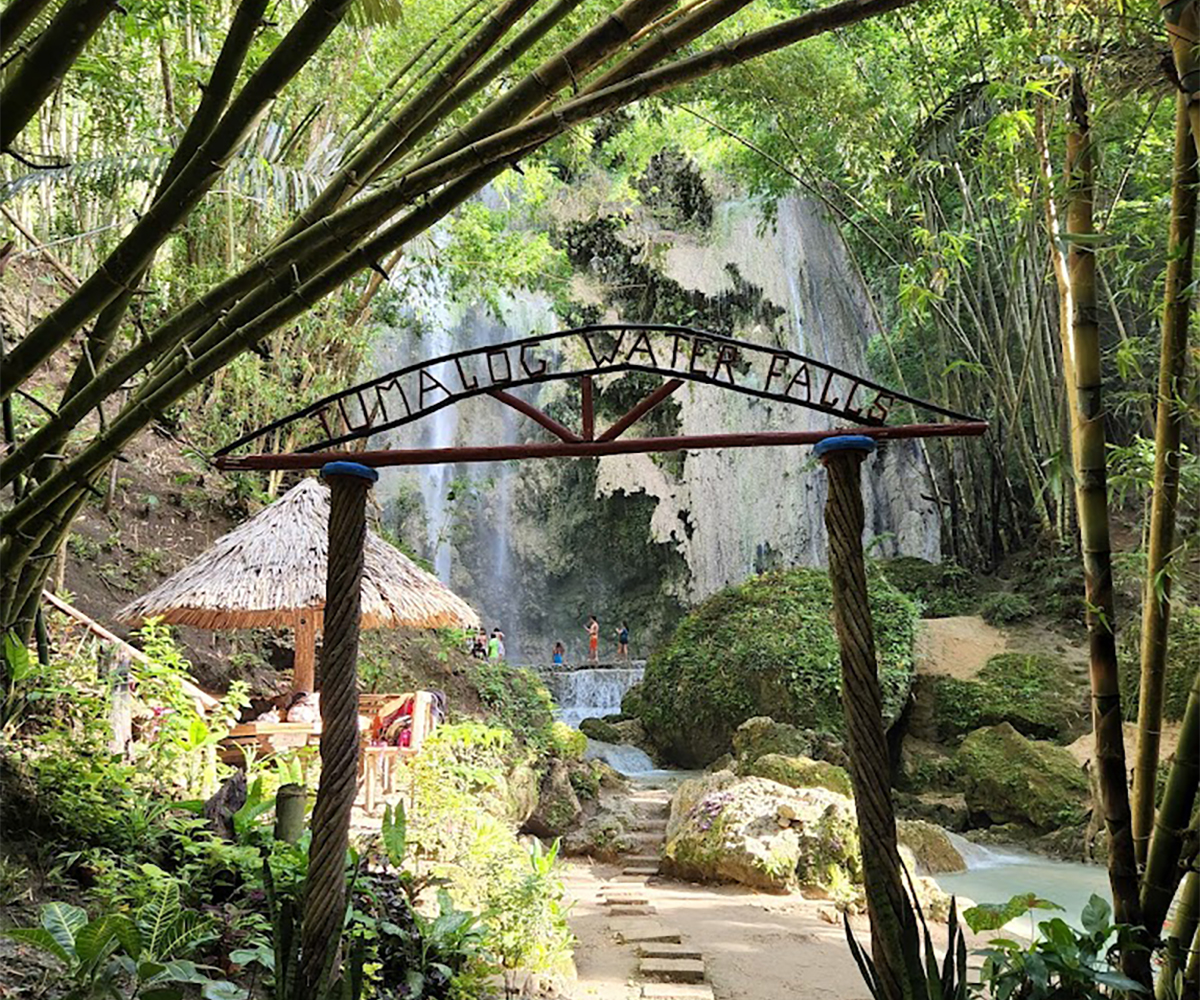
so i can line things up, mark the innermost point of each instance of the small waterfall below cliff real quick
(591, 692)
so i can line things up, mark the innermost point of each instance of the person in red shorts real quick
(593, 631)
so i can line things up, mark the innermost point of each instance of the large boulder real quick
(1040, 696)
(606, 830)
(1011, 779)
(925, 766)
(800, 772)
(598, 729)
(766, 647)
(762, 735)
(763, 834)
(932, 849)
(514, 796)
(558, 806)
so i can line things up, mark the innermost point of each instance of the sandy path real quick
(755, 946)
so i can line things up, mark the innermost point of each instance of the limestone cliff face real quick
(540, 546)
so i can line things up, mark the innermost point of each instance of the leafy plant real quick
(117, 956)
(1004, 607)
(1061, 963)
(926, 980)
(528, 919)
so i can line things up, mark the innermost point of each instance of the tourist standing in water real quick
(593, 631)
(623, 642)
(559, 654)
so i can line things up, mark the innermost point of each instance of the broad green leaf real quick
(993, 916)
(183, 934)
(63, 921)
(41, 939)
(1096, 915)
(16, 653)
(224, 990)
(180, 971)
(395, 839)
(95, 939)
(161, 993)
(156, 917)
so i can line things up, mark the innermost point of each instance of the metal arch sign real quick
(678, 353)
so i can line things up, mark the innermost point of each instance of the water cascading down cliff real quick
(539, 546)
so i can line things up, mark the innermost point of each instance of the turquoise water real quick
(996, 875)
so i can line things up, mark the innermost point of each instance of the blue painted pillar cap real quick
(844, 442)
(349, 469)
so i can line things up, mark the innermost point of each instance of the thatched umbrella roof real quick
(266, 571)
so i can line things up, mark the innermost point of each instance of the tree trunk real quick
(1092, 501)
(1156, 602)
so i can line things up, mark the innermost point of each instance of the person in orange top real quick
(593, 631)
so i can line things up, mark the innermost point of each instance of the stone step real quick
(628, 910)
(656, 826)
(638, 930)
(652, 810)
(641, 870)
(677, 991)
(622, 896)
(638, 860)
(665, 949)
(647, 840)
(628, 880)
(672, 970)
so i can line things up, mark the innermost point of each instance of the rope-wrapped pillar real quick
(862, 704)
(325, 890)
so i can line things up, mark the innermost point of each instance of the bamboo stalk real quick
(1181, 938)
(133, 253)
(494, 151)
(1092, 501)
(16, 17)
(46, 63)
(1172, 376)
(215, 97)
(354, 175)
(1162, 874)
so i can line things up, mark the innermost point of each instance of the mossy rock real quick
(801, 772)
(1011, 779)
(767, 646)
(1183, 658)
(762, 735)
(558, 806)
(931, 847)
(598, 729)
(943, 589)
(925, 766)
(727, 829)
(632, 702)
(1039, 695)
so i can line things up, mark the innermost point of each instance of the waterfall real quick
(514, 540)
(620, 757)
(592, 692)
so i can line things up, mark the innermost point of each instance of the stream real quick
(995, 875)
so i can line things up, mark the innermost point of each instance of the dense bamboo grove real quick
(1016, 181)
